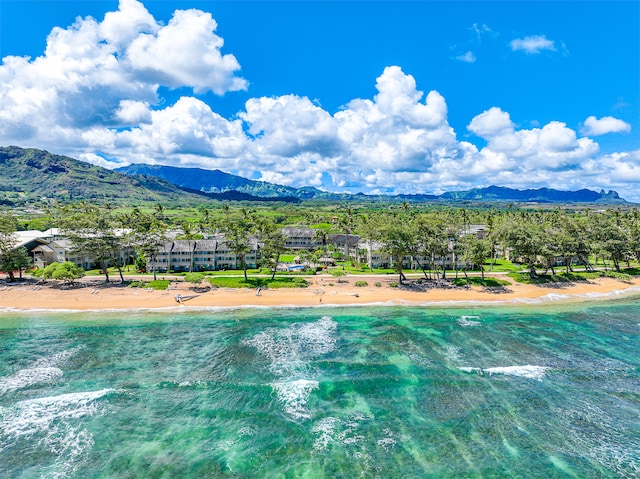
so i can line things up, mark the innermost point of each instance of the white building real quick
(205, 255)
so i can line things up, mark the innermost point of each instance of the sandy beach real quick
(93, 294)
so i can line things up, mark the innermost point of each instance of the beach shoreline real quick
(92, 294)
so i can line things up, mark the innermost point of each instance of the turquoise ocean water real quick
(548, 391)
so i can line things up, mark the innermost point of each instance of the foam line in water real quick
(50, 423)
(289, 352)
(43, 370)
(57, 358)
(339, 432)
(452, 353)
(294, 396)
(528, 371)
(469, 320)
(29, 377)
(36, 415)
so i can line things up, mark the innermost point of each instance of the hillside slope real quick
(216, 181)
(219, 181)
(28, 175)
(540, 195)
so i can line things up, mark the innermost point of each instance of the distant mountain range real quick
(216, 181)
(28, 175)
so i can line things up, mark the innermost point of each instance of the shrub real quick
(361, 284)
(623, 277)
(141, 264)
(159, 284)
(393, 284)
(300, 283)
(377, 284)
(47, 273)
(67, 272)
(194, 278)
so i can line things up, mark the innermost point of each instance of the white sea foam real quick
(43, 370)
(294, 396)
(290, 351)
(530, 372)
(37, 415)
(297, 343)
(325, 430)
(248, 431)
(69, 445)
(28, 377)
(386, 443)
(50, 422)
(469, 320)
(452, 353)
(335, 431)
(57, 358)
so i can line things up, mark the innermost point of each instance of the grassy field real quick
(478, 281)
(159, 284)
(239, 282)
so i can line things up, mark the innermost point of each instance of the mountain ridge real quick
(219, 181)
(30, 174)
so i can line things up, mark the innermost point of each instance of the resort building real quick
(60, 250)
(301, 237)
(203, 255)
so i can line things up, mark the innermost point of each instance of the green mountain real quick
(218, 181)
(540, 195)
(30, 175)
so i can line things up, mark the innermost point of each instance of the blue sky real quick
(366, 96)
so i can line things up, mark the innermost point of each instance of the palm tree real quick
(190, 234)
(237, 230)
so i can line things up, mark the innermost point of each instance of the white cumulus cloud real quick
(185, 52)
(94, 94)
(604, 125)
(94, 74)
(491, 123)
(553, 146)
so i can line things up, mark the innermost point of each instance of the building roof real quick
(183, 245)
(43, 248)
(64, 243)
(351, 240)
(299, 231)
(206, 245)
(51, 232)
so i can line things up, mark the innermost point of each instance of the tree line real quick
(539, 239)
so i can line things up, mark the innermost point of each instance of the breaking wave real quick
(530, 372)
(290, 352)
(42, 371)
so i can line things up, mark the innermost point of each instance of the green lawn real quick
(502, 266)
(477, 281)
(525, 278)
(160, 284)
(239, 282)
